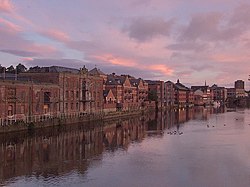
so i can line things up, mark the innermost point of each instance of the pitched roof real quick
(151, 81)
(96, 71)
(180, 86)
(135, 82)
(53, 69)
(199, 88)
(115, 80)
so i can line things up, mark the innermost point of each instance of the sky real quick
(194, 41)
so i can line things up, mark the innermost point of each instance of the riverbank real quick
(69, 119)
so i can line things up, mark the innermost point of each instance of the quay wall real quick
(67, 120)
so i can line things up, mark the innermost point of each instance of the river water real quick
(195, 147)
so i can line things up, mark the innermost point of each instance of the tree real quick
(21, 68)
(10, 69)
(2, 69)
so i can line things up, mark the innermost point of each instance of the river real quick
(195, 147)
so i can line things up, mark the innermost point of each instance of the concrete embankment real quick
(55, 121)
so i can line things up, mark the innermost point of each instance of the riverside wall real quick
(67, 120)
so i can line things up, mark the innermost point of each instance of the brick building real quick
(79, 91)
(169, 93)
(207, 94)
(239, 86)
(141, 90)
(182, 94)
(157, 87)
(231, 93)
(219, 93)
(124, 92)
(19, 99)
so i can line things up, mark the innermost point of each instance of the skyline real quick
(153, 39)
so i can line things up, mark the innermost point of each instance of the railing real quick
(22, 119)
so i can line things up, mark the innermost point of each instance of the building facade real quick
(19, 99)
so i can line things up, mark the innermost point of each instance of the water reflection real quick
(57, 151)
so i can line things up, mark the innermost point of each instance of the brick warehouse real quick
(27, 98)
(78, 90)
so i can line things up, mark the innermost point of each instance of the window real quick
(72, 106)
(10, 110)
(77, 106)
(77, 94)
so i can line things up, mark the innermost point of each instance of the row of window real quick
(72, 106)
(72, 94)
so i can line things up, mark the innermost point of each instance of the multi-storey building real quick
(157, 88)
(239, 86)
(231, 93)
(141, 90)
(169, 93)
(19, 99)
(79, 91)
(125, 94)
(219, 93)
(181, 94)
(206, 93)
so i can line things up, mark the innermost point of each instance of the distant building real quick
(231, 93)
(239, 84)
(207, 94)
(169, 93)
(198, 98)
(182, 94)
(219, 93)
(157, 87)
(125, 91)
(239, 88)
(141, 90)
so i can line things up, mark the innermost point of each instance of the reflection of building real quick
(156, 123)
(52, 152)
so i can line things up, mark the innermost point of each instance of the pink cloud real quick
(56, 35)
(161, 68)
(10, 26)
(6, 6)
(43, 50)
(235, 58)
(26, 59)
(116, 60)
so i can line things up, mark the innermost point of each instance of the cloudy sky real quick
(193, 40)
